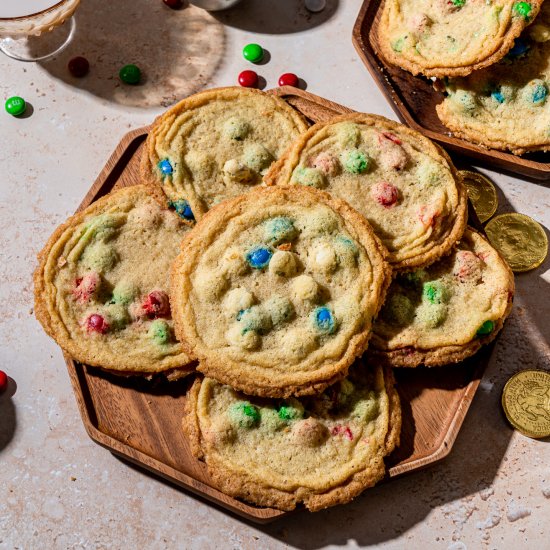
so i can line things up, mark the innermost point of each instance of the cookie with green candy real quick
(440, 38)
(215, 145)
(97, 294)
(506, 106)
(404, 185)
(321, 450)
(275, 290)
(444, 313)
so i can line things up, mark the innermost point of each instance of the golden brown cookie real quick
(216, 145)
(101, 287)
(451, 37)
(321, 450)
(444, 313)
(275, 291)
(506, 106)
(403, 184)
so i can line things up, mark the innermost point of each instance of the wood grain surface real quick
(140, 421)
(414, 99)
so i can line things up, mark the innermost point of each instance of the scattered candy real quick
(244, 415)
(157, 304)
(159, 331)
(173, 4)
(253, 53)
(78, 66)
(85, 287)
(248, 79)
(130, 74)
(315, 5)
(289, 79)
(259, 257)
(165, 167)
(97, 323)
(3, 381)
(497, 96)
(15, 106)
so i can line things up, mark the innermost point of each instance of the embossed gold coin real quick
(482, 194)
(526, 402)
(520, 239)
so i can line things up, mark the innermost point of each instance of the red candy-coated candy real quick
(288, 79)
(157, 304)
(97, 323)
(79, 66)
(85, 287)
(385, 193)
(3, 381)
(174, 4)
(248, 79)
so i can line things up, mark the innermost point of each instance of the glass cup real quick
(22, 22)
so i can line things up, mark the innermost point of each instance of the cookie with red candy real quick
(101, 289)
(403, 184)
(444, 313)
(322, 450)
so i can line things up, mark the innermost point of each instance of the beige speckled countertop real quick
(61, 490)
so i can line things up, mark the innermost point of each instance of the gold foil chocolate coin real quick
(520, 239)
(526, 402)
(482, 194)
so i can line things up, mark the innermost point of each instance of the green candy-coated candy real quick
(355, 161)
(244, 415)
(236, 128)
(130, 74)
(160, 332)
(253, 53)
(279, 230)
(310, 177)
(523, 9)
(15, 106)
(291, 410)
(458, 3)
(435, 292)
(486, 328)
(124, 293)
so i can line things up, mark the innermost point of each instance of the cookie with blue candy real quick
(275, 291)
(403, 184)
(97, 294)
(321, 450)
(216, 145)
(506, 106)
(444, 313)
(451, 38)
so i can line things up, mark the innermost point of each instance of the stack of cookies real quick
(267, 256)
(492, 60)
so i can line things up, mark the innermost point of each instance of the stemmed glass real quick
(21, 22)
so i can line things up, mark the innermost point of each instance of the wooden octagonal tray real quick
(414, 99)
(141, 421)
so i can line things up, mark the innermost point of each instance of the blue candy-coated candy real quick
(540, 93)
(324, 320)
(519, 48)
(259, 257)
(497, 96)
(183, 210)
(165, 167)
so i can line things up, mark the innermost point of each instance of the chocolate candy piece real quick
(259, 257)
(165, 167)
(523, 9)
(15, 106)
(324, 320)
(289, 79)
(130, 74)
(248, 79)
(253, 53)
(78, 66)
(3, 381)
(486, 328)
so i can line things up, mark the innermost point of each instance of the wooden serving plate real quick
(414, 99)
(141, 421)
